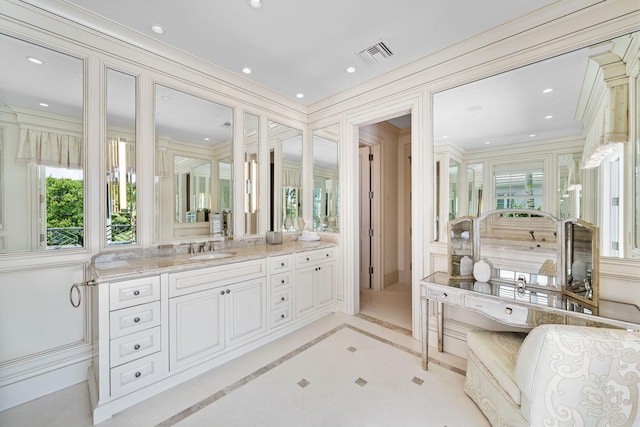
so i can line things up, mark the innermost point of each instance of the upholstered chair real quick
(562, 376)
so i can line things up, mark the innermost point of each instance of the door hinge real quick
(371, 157)
(614, 246)
(615, 201)
(370, 194)
(370, 269)
(371, 232)
(410, 266)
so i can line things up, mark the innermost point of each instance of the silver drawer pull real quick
(508, 310)
(138, 374)
(136, 320)
(136, 347)
(136, 292)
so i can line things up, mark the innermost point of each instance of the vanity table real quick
(537, 269)
(502, 302)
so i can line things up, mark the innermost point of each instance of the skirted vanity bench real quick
(576, 361)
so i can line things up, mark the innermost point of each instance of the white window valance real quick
(50, 149)
(291, 178)
(118, 148)
(611, 129)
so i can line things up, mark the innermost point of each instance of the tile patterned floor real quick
(339, 371)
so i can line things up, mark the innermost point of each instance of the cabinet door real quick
(325, 283)
(305, 292)
(246, 305)
(196, 327)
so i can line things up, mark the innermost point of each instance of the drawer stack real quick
(134, 332)
(281, 290)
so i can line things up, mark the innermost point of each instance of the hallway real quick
(391, 305)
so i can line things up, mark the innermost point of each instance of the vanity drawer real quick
(280, 317)
(280, 281)
(447, 296)
(134, 346)
(187, 282)
(280, 263)
(134, 319)
(502, 311)
(134, 292)
(310, 257)
(280, 299)
(134, 375)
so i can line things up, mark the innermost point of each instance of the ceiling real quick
(303, 46)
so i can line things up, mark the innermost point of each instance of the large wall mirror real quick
(42, 114)
(285, 147)
(121, 159)
(194, 166)
(555, 136)
(326, 200)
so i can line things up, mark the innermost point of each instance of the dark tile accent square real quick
(417, 380)
(361, 382)
(303, 383)
(352, 349)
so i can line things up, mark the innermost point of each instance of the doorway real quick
(385, 221)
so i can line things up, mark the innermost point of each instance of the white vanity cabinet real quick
(281, 290)
(215, 309)
(314, 280)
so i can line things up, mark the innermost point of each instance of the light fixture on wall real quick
(256, 4)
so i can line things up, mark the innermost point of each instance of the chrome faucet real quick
(521, 283)
(201, 246)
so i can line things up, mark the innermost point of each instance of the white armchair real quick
(557, 375)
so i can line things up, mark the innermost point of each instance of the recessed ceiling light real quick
(43, 104)
(157, 29)
(548, 90)
(35, 60)
(548, 116)
(300, 95)
(351, 70)
(256, 4)
(207, 139)
(246, 70)
(532, 135)
(445, 136)
(487, 142)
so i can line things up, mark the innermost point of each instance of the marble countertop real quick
(113, 268)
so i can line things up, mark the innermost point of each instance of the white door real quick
(246, 305)
(305, 293)
(365, 218)
(325, 280)
(196, 327)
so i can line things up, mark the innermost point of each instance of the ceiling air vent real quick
(376, 53)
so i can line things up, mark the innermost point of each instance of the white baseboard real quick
(19, 392)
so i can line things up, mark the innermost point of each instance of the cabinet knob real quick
(138, 374)
(319, 268)
(282, 264)
(228, 291)
(222, 292)
(282, 281)
(444, 295)
(307, 258)
(327, 255)
(136, 347)
(136, 292)
(282, 316)
(136, 320)
(508, 310)
(281, 298)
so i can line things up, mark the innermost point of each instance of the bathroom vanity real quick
(163, 319)
(541, 270)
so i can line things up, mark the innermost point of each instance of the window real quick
(516, 188)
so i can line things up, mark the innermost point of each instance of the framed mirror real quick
(549, 136)
(43, 149)
(121, 159)
(326, 200)
(194, 166)
(519, 243)
(285, 147)
(581, 260)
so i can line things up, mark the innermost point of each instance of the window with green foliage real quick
(63, 209)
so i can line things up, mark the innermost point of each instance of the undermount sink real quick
(213, 255)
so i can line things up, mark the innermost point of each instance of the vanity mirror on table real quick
(523, 268)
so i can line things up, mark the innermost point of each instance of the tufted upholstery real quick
(566, 375)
